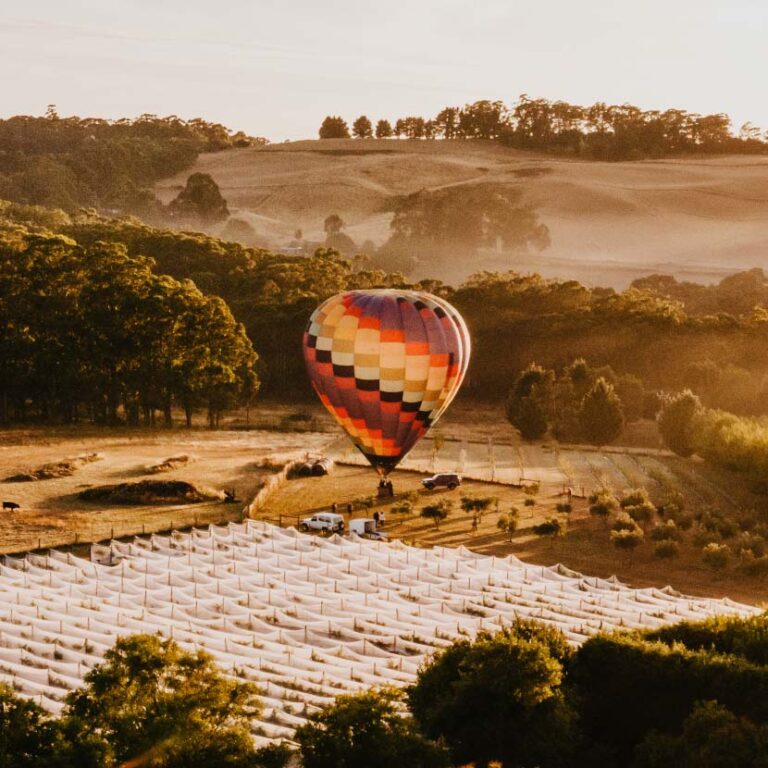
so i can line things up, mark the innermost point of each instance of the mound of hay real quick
(151, 492)
(63, 468)
(171, 463)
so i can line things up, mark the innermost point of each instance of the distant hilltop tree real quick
(334, 128)
(335, 238)
(599, 131)
(383, 129)
(200, 199)
(362, 128)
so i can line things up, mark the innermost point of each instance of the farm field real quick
(304, 618)
(497, 470)
(51, 514)
(610, 222)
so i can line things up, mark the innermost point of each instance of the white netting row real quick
(305, 618)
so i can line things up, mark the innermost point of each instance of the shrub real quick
(716, 556)
(623, 522)
(666, 549)
(529, 501)
(552, 526)
(628, 540)
(667, 531)
(508, 522)
(603, 503)
(564, 507)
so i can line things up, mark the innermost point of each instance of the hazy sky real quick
(276, 68)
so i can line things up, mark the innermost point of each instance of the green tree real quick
(437, 512)
(200, 200)
(508, 522)
(498, 698)
(29, 737)
(603, 503)
(601, 416)
(366, 729)
(334, 128)
(153, 703)
(712, 737)
(627, 539)
(362, 128)
(551, 528)
(383, 129)
(529, 404)
(676, 420)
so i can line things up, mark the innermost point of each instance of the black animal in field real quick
(10, 505)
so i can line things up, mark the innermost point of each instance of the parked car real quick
(323, 521)
(449, 480)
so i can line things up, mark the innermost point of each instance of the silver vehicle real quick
(323, 521)
(449, 480)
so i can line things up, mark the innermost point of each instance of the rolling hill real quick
(697, 218)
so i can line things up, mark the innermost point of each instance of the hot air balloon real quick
(386, 364)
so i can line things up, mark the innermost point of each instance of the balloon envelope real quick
(386, 364)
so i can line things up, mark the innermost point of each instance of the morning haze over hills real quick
(697, 218)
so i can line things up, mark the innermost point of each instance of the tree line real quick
(640, 332)
(692, 694)
(70, 162)
(92, 332)
(599, 131)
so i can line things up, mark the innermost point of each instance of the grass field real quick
(610, 222)
(51, 514)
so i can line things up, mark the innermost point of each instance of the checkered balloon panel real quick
(386, 363)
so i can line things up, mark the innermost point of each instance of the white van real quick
(323, 521)
(366, 527)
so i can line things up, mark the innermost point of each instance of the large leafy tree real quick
(529, 405)
(362, 128)
(601, 415)
(200, 200)
(366, 729)
(498, 698)
(334, 128)
(676, 420)
(29, 738)
(152, 703)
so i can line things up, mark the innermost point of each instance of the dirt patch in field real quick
(52, 514)
(63, 468)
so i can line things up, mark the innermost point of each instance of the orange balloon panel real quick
(386, 363)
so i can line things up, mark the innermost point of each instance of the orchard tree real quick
(603, 503)
(334, 128)
(508, 522)
(437, 512)
(362, 128)
(601, 416)
(676, 420)
(384, 129)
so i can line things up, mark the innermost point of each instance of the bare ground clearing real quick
(51, 514)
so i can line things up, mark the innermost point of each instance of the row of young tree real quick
(71, 162)
(601, 131)
(519, 698)
(93, 332)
